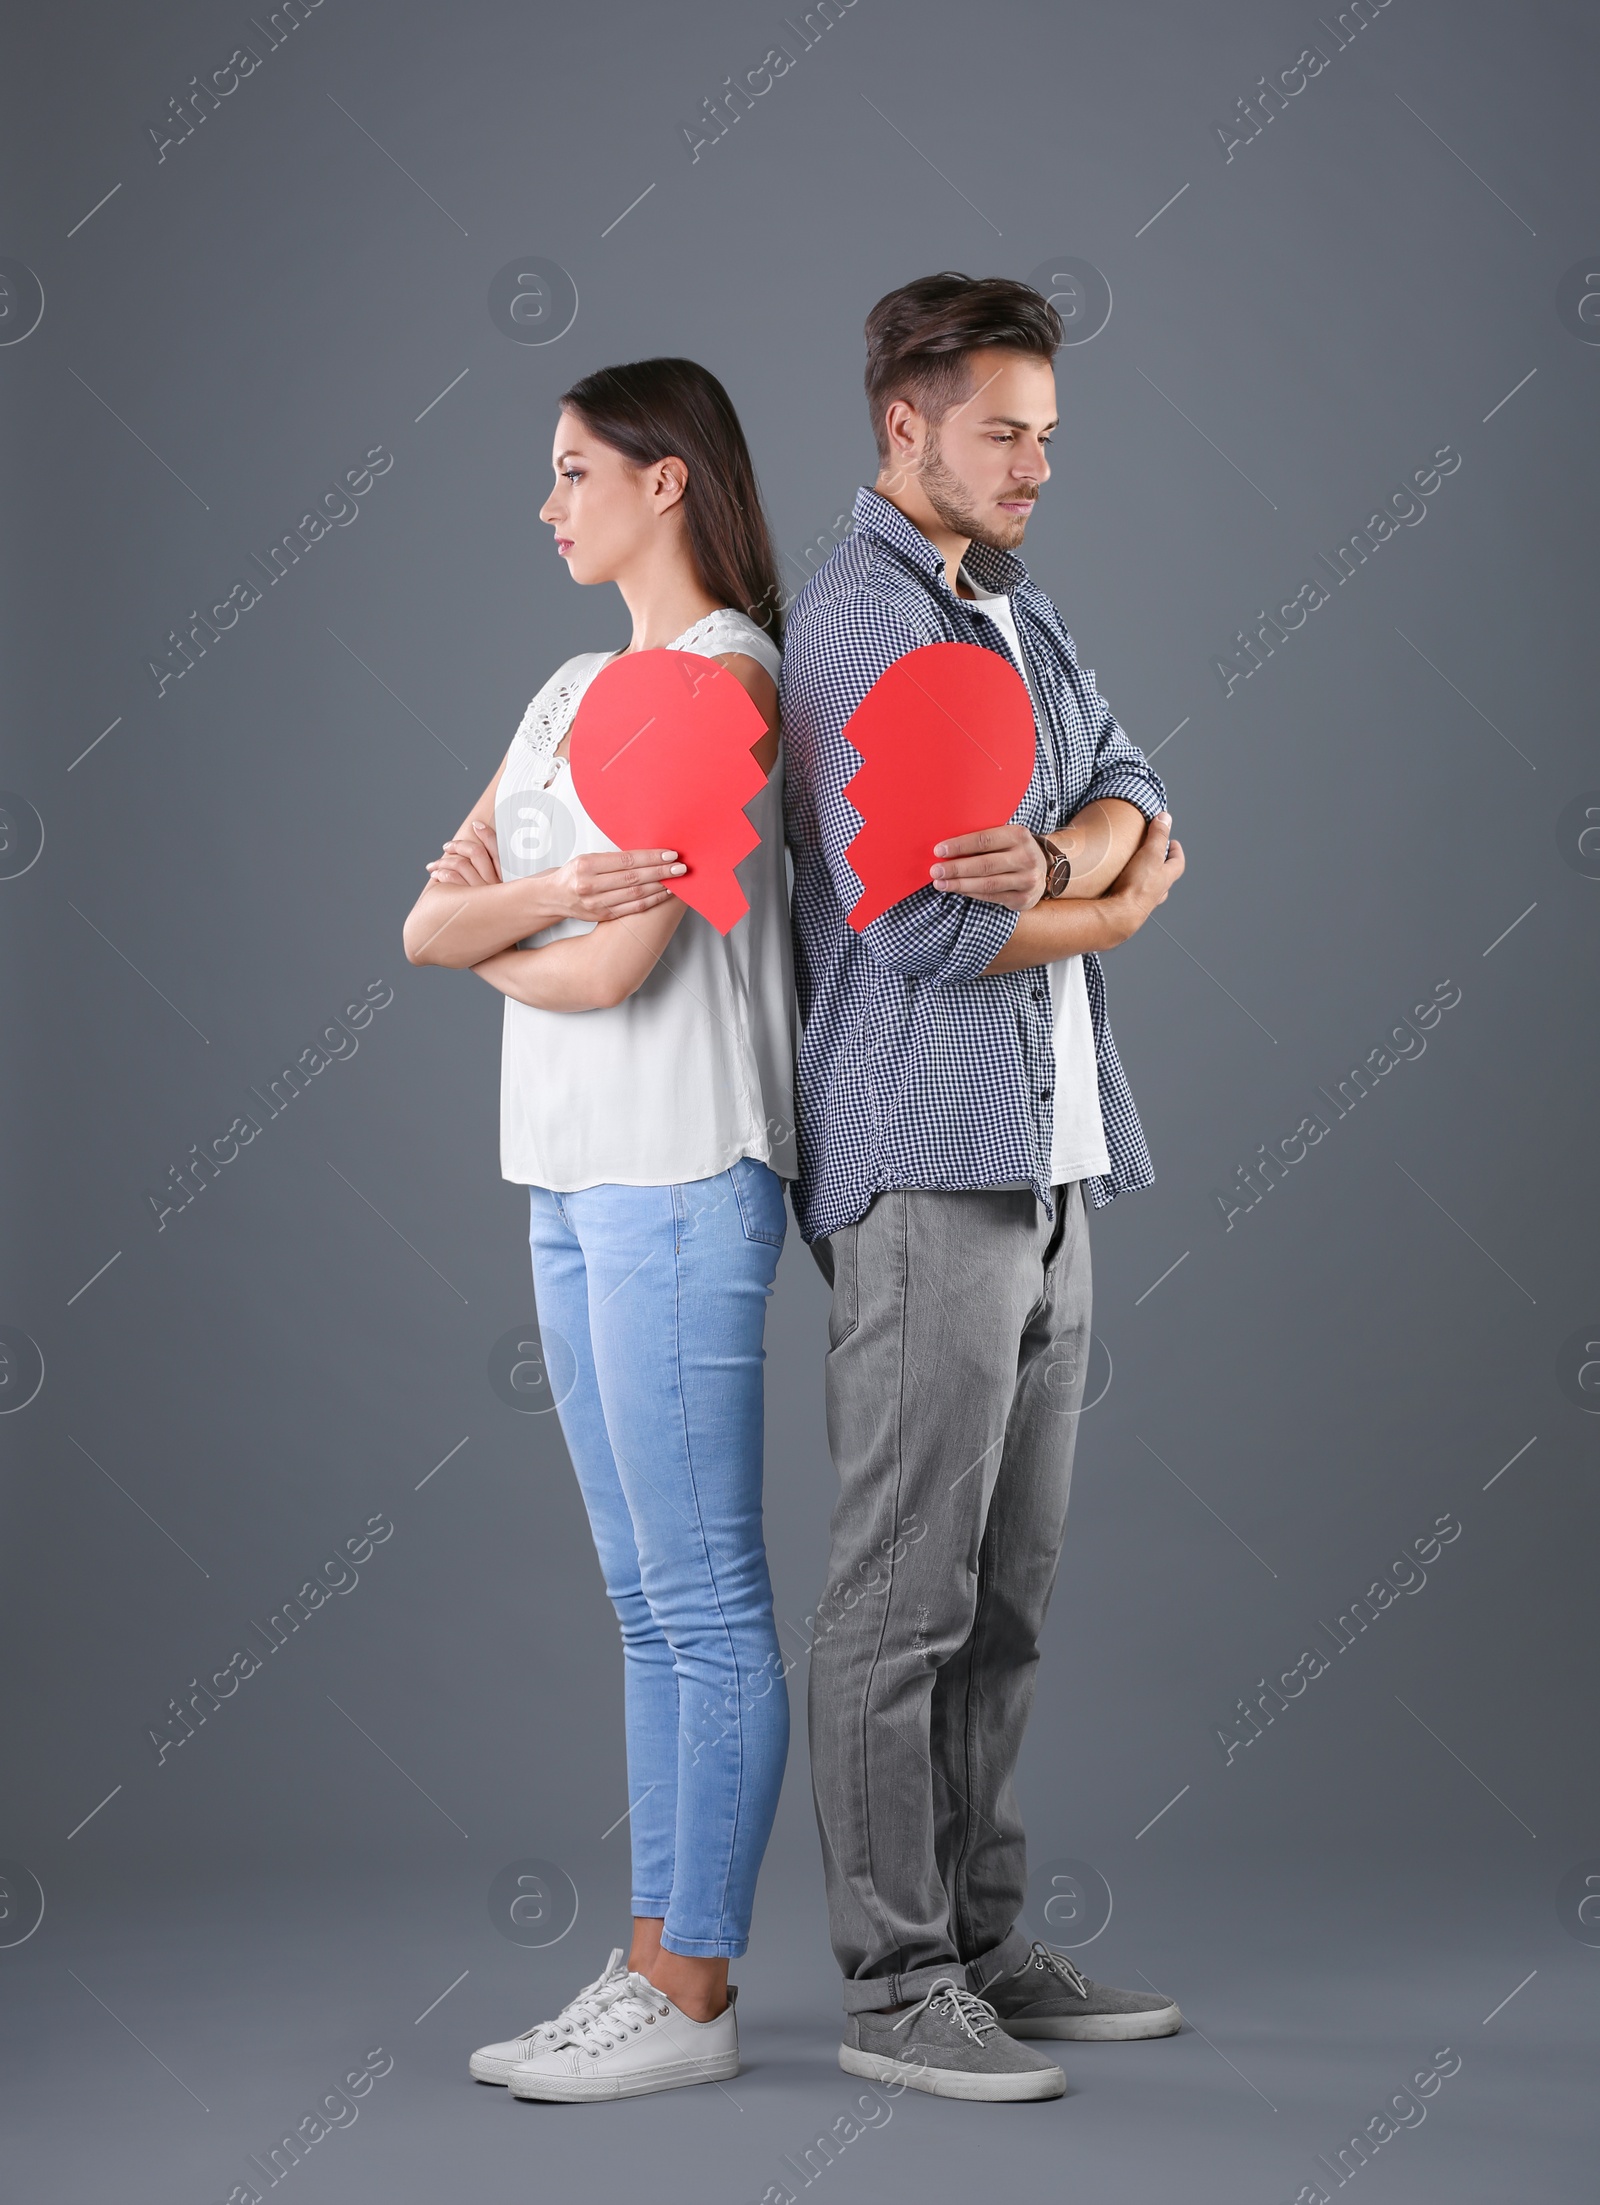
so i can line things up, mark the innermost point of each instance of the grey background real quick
(1289, 1408)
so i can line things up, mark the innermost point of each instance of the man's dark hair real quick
(918, 339)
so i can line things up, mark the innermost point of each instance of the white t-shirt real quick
(696, 1068)
(1078, 1135)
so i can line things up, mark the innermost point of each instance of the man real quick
(959, 1094)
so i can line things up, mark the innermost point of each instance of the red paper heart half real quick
(660, 757)
(947, 748)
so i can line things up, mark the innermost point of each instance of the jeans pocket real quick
(844, 1311)
(759, 1193)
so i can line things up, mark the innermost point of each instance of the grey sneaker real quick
(950, 2045)
(1047, 1997)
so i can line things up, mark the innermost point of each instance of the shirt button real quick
(1038, 995)
(1045, 1094)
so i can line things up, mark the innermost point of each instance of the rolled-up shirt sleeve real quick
(833, 653)
(1120, 766)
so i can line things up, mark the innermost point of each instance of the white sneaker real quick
(638, 2041)
(492, 2063)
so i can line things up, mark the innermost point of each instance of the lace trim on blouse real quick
(550, 714)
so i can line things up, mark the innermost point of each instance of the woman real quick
(646, 1102)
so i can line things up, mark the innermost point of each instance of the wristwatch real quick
(1057, 867)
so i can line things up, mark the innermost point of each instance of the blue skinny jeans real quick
(660, 1294)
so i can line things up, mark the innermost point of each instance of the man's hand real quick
(1001, 865)
(1146, 879)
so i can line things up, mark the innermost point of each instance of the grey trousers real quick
(958, 1349)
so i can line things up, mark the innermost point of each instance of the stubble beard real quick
(952, 501)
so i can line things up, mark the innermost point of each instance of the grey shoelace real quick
(1050, 1962)
(949, 2002)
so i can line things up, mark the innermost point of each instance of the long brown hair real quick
(660, 409)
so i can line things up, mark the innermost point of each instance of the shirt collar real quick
(994, 571)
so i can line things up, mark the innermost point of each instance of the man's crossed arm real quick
(1121, 870)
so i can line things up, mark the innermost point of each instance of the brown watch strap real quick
(1058, 866)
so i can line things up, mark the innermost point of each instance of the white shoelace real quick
(592, 1999)
(607, 2026)
(1051, 1962)
(949, 2002)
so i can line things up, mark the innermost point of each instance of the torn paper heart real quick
(946, 739)
(660, 757)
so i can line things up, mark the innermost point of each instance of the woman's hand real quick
(471, 859)
(601, 884)
(613, 884)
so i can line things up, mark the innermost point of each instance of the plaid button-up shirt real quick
(916, 1070)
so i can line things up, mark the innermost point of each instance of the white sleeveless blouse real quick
(696, 1068)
